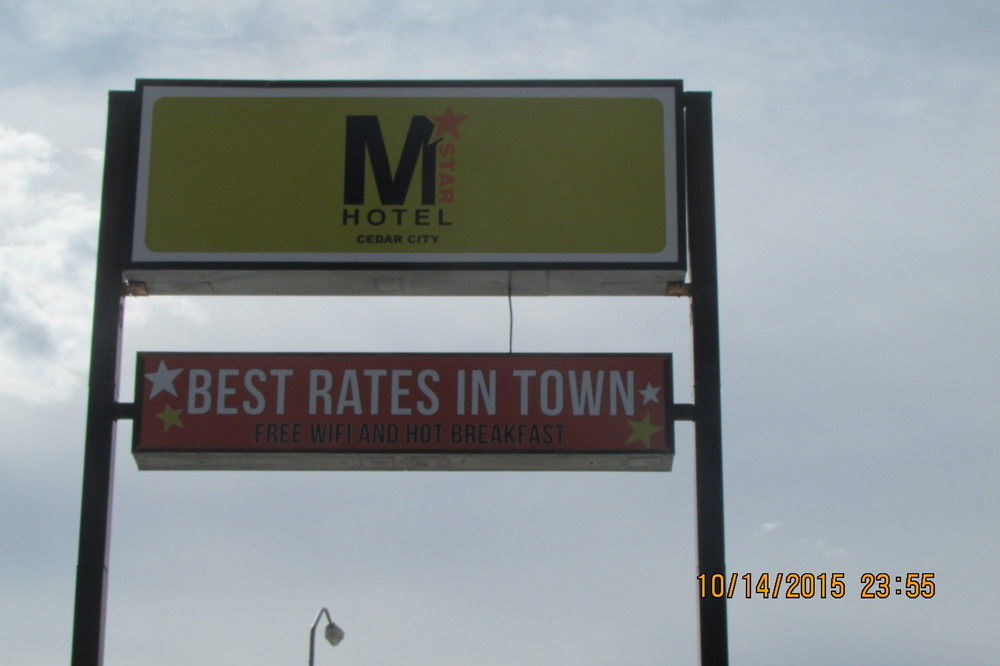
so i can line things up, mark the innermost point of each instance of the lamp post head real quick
(334, 634)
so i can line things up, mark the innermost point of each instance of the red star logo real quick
(447, 123)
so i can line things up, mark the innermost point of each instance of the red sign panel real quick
(404, 411)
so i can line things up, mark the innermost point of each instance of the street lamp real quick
(334, 634)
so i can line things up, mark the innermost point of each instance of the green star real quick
(642, 431)
(170, 417)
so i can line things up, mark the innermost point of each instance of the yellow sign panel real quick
(448, 174)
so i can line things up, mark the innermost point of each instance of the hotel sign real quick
(404, 411)
(411, 188)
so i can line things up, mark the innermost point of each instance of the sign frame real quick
(478, 273)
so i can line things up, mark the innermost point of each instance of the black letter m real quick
(364, 134)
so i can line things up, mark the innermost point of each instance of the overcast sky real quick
(857, 174)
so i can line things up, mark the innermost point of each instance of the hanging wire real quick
(510, 316)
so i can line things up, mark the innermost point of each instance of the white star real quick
(163, 380)
(649, 393)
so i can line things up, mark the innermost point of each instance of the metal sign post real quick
(708, 412)
(102, 410)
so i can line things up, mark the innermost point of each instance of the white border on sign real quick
(666, 95)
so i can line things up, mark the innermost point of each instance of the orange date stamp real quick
(789, 585)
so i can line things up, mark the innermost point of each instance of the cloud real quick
(140, 312)
(818, 546)
(47, 254)
(767, 528)
(93, 154)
